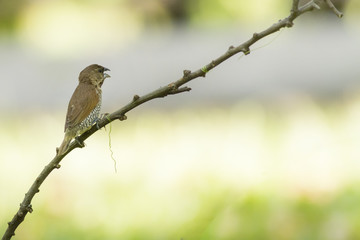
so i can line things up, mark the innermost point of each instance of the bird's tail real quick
(65, 144)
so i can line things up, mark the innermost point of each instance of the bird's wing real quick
(82, 102)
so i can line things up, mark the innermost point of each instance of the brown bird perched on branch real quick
(85, 103)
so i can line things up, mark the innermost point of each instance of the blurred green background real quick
(265, 147)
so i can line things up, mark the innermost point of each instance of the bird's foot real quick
(103, 115)
(97, 124)
(79, 142)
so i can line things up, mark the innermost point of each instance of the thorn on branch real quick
(230, 48)
(246, 51)
(136, 97)
(180, 90)
(186, 73)
(289, 24)
(29, 208)
(122, 117)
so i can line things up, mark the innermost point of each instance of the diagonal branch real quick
(170, 89)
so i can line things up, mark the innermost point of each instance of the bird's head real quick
(94, 74)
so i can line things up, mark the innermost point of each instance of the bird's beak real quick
(105, 74)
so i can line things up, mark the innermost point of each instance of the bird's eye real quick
(101, 70)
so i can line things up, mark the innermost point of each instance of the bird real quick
(85, 104)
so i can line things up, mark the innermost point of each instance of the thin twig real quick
(170, 89)
(334, 9)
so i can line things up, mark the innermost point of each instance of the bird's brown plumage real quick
(85, 103)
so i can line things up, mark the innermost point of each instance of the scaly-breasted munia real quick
(85, 103)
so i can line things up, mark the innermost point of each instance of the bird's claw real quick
(101, 117)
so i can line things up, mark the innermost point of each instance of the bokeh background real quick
(265, 147)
